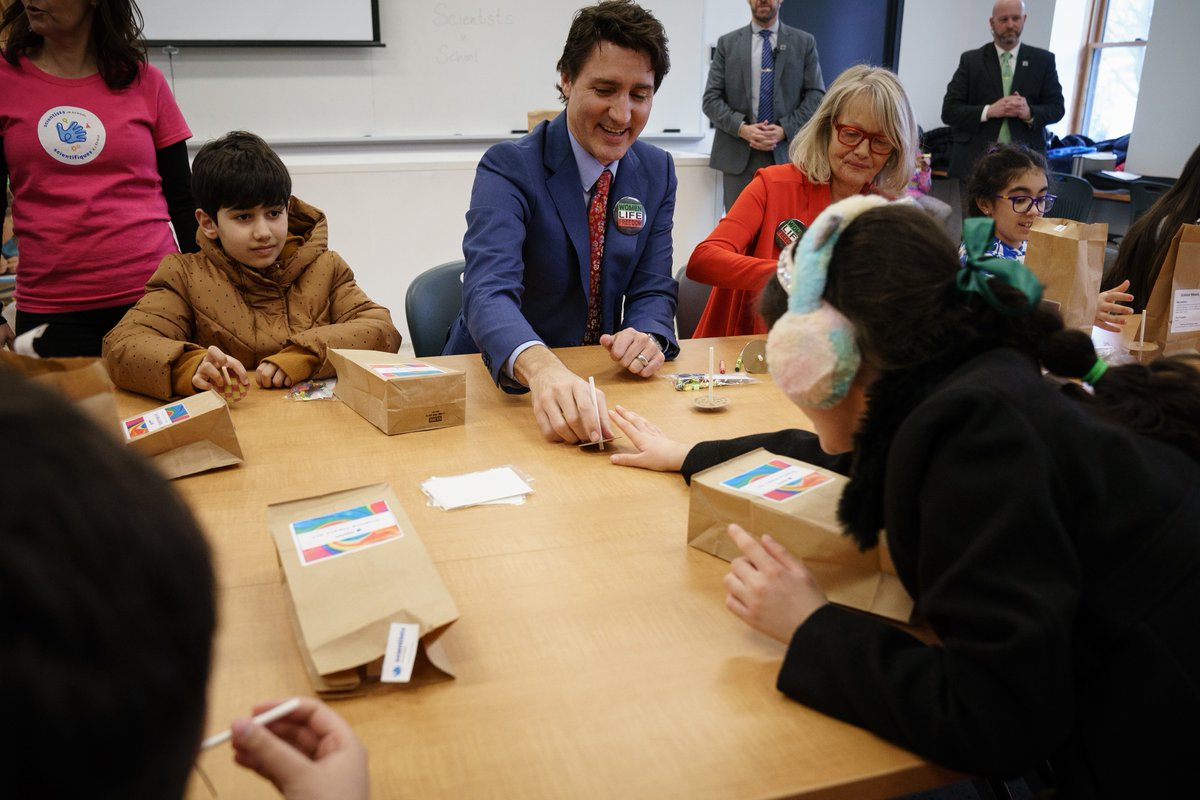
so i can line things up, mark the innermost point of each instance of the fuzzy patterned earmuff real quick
(811, 351)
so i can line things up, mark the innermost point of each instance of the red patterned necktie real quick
(597, 218)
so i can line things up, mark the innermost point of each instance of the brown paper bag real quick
(186, 436)
(1173, 309)
(797, 504)
(398, 394)
(1068, 258)
(347, 586)
(83, 380)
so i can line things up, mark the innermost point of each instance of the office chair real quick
(431, 305)
(1142, 195)
(693, 297)
(1074, 197)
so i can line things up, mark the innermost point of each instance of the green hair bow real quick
(976, 275)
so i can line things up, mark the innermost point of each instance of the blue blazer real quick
(526, 249)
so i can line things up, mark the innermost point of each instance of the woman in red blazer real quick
(862, 139)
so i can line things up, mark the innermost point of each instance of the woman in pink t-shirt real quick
(95, 148)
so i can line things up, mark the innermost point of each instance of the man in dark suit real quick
(569, 230)
(1003, 92)
(750, 133)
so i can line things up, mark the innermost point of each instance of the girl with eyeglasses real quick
(1009, 184)
(862, 139)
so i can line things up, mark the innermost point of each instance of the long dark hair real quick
(1160, 399)
(1144, 247)
(116, 39)
(893, 276)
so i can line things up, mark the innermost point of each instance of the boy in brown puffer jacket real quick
(263, 293)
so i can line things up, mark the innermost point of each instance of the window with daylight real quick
(1113, 67)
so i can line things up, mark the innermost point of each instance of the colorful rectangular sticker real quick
(410, 369)
(154, 419)
(344, 532)
(777, 480)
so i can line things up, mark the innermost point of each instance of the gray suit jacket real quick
(798, 91)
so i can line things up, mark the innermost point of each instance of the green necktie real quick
(1006, 75)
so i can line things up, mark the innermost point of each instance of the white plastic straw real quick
(595, 405)
(710, 376)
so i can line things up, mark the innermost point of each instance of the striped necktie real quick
(766, 81)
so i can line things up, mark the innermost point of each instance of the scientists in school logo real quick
(71, 135)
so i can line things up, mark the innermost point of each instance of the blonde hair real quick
(889, 102)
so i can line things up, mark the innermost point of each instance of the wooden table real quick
(594, 655)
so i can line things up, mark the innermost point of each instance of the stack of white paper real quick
(498, 485)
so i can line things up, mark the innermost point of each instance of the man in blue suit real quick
(986, 102)
(538, 219)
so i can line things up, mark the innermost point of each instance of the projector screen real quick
(259, 23)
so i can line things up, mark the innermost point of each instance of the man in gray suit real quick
(752, 133)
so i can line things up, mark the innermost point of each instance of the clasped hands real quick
(210, 374)
(1014, 105)
(761, 135)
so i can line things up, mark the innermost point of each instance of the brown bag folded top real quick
(83, 380)
(354, 566)
(186, 436)
(796, 503)
(398, 394)
(1068, 258)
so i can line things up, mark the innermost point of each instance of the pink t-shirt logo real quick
(71, 135)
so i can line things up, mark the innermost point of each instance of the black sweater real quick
(1056, 557)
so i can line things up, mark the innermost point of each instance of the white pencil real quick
(270, 715)
(710, 376)
(595, 405)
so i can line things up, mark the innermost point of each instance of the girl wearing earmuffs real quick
(1048, 541)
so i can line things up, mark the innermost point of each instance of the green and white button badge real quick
(629, 215)
(789, 231)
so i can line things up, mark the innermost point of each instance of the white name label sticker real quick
(1185, 311)
(401, 652)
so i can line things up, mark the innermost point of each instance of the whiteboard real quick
(450, 68)
(259, 21)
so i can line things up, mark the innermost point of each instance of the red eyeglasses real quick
(852, 137)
